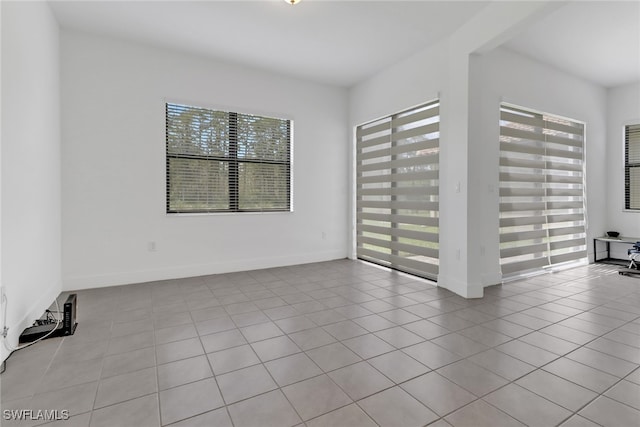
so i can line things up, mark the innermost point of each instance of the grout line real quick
(388, 284)
(226, 406)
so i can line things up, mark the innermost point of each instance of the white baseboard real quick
(491, 279)
(459, 287)
(177, 272)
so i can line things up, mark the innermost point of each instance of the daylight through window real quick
(220, 161)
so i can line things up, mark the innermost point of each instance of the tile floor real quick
(342, 343)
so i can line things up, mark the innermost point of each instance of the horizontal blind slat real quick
(520, 266)
(399, 205)
(400, 247)
(397, 177)
(397, 218)
(525, 235)
(424, 236)
(523, 250)
(418, 116)
(422, 190)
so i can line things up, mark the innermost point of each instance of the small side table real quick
(609, 241)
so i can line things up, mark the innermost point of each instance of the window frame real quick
(626, 168)
(233, 161)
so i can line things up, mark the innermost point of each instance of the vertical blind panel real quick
(632, 166)
(397, 162)
(542, 206)
(226, 161)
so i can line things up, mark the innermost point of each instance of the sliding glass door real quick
(542, 193)
(397, 161)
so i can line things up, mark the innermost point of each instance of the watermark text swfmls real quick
(35, 414)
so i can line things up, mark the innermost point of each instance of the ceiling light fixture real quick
(292, 2)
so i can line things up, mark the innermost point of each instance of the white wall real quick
(31, 242)
(113, 163)
(623, 108)
(413, 81)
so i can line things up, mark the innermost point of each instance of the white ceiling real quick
(599, 41)
(344, 41)
(337, 42)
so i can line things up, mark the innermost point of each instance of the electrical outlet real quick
(324, 236)
(151, 246)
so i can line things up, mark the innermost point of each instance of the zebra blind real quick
(397, 160)
(632, 167)
(542, 204)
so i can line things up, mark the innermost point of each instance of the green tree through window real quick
(219, 161)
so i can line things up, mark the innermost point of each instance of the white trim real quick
(459, 287)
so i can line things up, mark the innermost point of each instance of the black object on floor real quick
(69, 315)
(67, 326)
(631, 272)
(35, 332)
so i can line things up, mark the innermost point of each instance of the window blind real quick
(632, 166)
(542, 204)
(397, 160)
(219, 161)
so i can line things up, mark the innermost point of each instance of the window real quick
(632, 167)
(219, 161)
(397, 190)
(542, 204)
